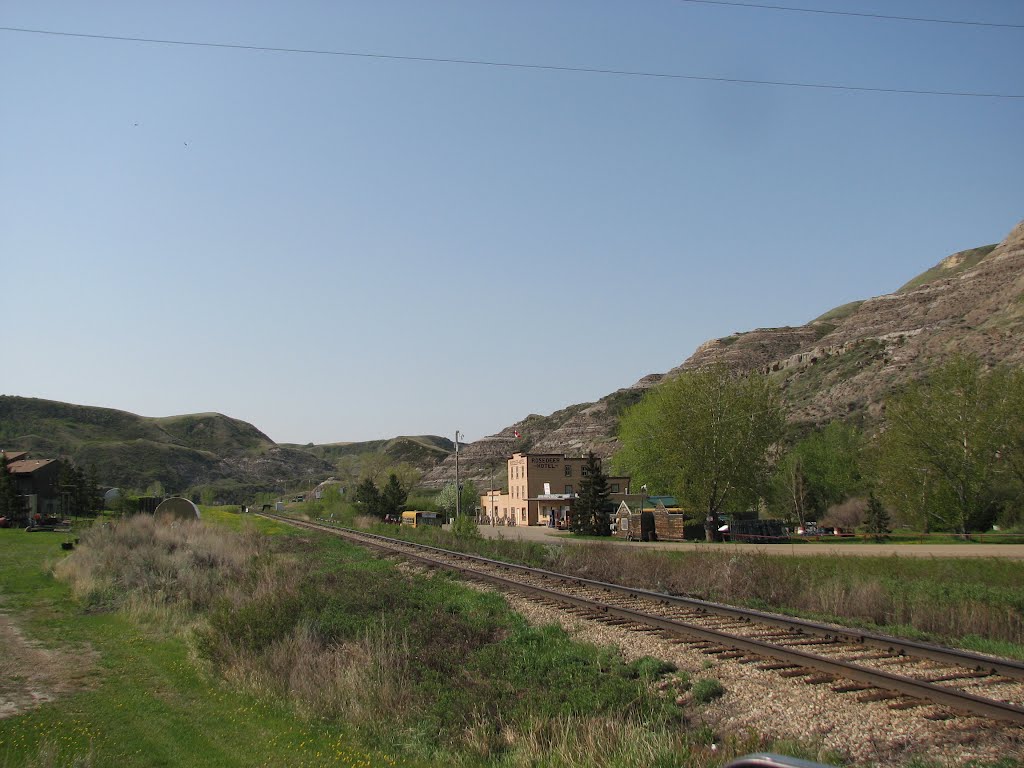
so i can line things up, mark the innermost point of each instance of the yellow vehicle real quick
(417, 518)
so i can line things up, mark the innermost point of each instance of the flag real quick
(516, 433)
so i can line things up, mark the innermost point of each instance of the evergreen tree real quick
(94, 494)
(393, 497)
(368, 497)
(877, 518)
(590, 510)
(12, 506)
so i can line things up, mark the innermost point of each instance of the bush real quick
(465, 527)
(707, 689)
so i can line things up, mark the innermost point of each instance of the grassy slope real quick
(421, 450)
(969, 260)
(148, 704)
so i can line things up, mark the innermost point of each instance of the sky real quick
(341, 248)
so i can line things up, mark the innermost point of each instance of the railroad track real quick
(874, 667)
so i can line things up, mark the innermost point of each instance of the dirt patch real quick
(31, 675)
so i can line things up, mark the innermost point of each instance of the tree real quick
(877, 518)
(942, 449)
(590, 509)
(704, 436)
(819, 473)
(369, 498)
(393, 497)
(12, 506)
(1012, 451)
(789, 488)
(407, 474)
(468, 501)
(373, 466)
(94, 493)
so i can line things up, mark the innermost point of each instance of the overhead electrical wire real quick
(516, 65)
(857, 14)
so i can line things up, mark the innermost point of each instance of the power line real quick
(886, 17)
(517, 65)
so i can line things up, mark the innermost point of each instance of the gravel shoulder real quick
(867, 734)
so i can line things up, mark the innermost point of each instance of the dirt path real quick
(31, 675)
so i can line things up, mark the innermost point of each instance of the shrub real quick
(465, 527)
(707, 689)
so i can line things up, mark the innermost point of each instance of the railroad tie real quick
(879, 695)
(872, 656)
(907, 704)
(813, 641)
(958, 676)
(820, 679)
(851, 687)
(798, 672)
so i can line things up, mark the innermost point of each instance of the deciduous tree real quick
(944, 444)
(704, 436)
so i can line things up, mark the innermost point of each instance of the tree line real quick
(948, 455)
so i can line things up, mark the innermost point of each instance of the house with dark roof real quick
(36, 481)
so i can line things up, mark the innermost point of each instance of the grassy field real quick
(223, 645)
(975, 603)
(137, 697)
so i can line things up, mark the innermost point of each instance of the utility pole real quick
(458, 486)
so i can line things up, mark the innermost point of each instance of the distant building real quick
(541, 490)
(37, 482)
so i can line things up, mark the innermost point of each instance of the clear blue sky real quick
(352, 248)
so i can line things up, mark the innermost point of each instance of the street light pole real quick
(458, 487)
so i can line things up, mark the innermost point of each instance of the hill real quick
(181, 452)
(840, 365)
(422, 451)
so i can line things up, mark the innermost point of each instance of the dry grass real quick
(149, 566)
(875, 593)
(361, 682)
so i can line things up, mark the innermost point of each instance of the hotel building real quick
(541, 490)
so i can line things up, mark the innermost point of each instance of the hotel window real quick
(568, 470)
(584, 470)
(568, 489)
(615, 487)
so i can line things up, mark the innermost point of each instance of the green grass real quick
(970, 259)
(473, 669)
(840, 313)
(145, 703)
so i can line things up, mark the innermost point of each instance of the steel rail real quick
(1005, 667)
(919, 689)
